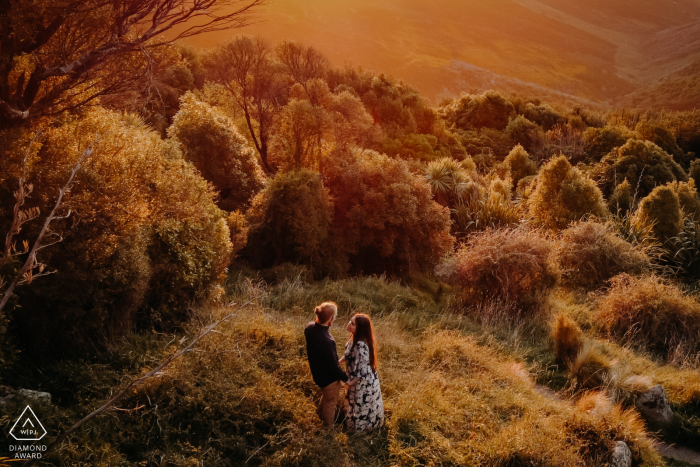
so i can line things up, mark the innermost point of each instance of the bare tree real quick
(61, 54)
(302, 63)
(246, 68)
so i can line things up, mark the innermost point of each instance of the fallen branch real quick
(121, 393)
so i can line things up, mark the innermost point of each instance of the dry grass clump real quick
(589, 255)
(567, 337)
(467, 405)
(586, 365)
(508, 264)
(652, 314)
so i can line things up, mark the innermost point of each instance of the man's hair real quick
(325, 311)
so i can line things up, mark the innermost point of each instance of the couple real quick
(364, 408)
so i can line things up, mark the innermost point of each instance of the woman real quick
(364, 407)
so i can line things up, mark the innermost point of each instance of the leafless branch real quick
(26, 274)
(57, 442)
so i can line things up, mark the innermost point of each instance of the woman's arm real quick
(352, 382)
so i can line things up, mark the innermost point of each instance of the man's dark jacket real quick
(323, 356)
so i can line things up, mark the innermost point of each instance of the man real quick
(323, 360)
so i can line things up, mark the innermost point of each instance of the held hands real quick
(352, 382)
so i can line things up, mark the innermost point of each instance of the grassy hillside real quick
(591, 52)
(456, 391)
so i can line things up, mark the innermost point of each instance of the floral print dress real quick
(364, 407)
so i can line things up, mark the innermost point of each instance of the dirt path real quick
(668, 450)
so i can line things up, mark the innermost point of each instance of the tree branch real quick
(121, 393)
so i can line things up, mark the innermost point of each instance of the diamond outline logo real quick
(28, 419)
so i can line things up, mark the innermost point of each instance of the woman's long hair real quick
(364, 331)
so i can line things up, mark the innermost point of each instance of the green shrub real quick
(290, 222)
(643, 164)
(211, 142)
(664, 139)
(651, 314)
(515, 265)
(523, 132)
(600, 141)
(687, 197)
(543, 115)
(114, 260)
(487, 110)
(563, 195)
(694, 171)
(384, 216)
(622, 200)
(519, 165)
(662, 211)
(589, 255)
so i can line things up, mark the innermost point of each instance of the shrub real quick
(622, 200)
(290, 222)
(664, 139)
(543, 115)
(563, 195)
(651, 314)
(144, 218)
(661, 210)
(487, 110)
(643, 164)
(449, 180)
(384, 216)
(485, 209)
(519, 165)
(600, 141)
(688, 198)
(211, 142)
(510, 264)
(694, 171)
(589, 255)
(523, 132)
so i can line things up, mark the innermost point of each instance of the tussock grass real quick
(653, 315)
(246, 395)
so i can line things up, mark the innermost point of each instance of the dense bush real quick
(562, 195)
(211, 142)
(687, 198)
(519, 165)
(661, 211)
(664, 139)
(622, 200)
(487, 110)
(509, 264)
(290, 222)
(543, 115)
(384, 216)
(643, 164)
(523, 132)
(652, 314)
(486, 207)
(589, 255)
(600, 141)
(145, 235)
(567, 338)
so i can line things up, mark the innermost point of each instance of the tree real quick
(302, 63)
(384, 216)
(59, 55)
(210, 141)
(246, 68)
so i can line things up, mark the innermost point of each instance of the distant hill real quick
(595, 51)
(676, 91)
